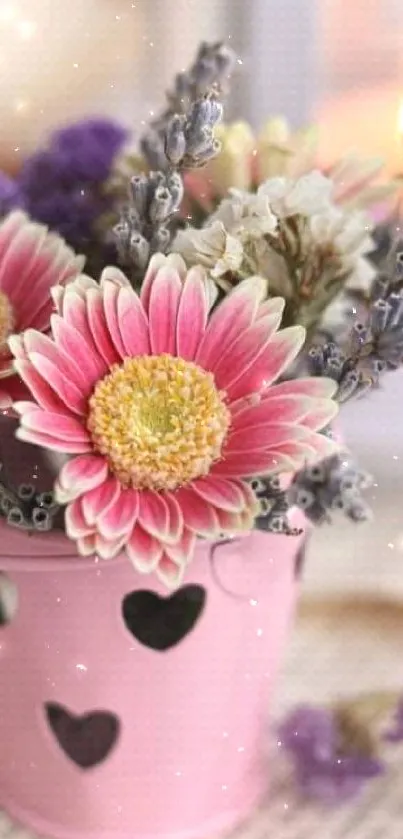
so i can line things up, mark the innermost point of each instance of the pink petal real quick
(81, 474)
(17, 346)
(239, 465)
(22, 407)
(39, 316)
(299, 453)
(153, 514)
(274, 305)
(99, 328)
(164, 301)
(244, 352)
(314, 386)
(35, 342)
(273, 410)
(97, 501)
(235, 314)
(86, 545)
(74, 312)
(8, 229)
(59, 427)
(227, 495)
(69, 394)
(133, 324)
(192, 315)
(45, 396)
(35, 283)
(18, 260)
(229, 522)
(53, 443)
(76, 525)
(143, 550)
(158, 261)
(321, 412)
(110, 304)
(119, 518)
(114, 275)
(270, 364)
(323, 446)
(182, 552)
(169, 572)
(251, 502)
(264, 436)
(198, 514)
(175, 517)
(109, 548)
(71, 343)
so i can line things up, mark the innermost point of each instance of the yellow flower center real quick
(160, 421)
(6, 321)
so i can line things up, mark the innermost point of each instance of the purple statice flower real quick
(10, 196)
(325, 770)
(88, 148)
(62, 185)
(395, 734)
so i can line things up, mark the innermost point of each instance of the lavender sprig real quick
(209, 72)
(27, 509)
(275, 507)
(145, 224)
(335, 483)
(189, 138)
(182, 139)
(373, 347)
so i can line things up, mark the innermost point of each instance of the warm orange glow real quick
(400, 120)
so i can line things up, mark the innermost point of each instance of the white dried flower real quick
(212, 247)
(246, 215)
(348, 237)
(304, 196)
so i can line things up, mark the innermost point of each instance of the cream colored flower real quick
(305, 196)
(213, 247)
(232, 167)
(281, 152)
(277, 151)
(348, 235)
(246, 215)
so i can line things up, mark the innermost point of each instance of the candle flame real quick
(400, 119)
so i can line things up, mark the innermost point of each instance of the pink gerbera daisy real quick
(166, 409)
(32, 260)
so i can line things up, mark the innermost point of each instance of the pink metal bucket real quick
(126, 713)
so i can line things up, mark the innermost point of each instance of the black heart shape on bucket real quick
(87, 739)
(162, 622)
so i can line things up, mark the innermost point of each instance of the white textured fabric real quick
(339, 648)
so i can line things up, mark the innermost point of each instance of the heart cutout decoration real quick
(87, 739)
(162, 622)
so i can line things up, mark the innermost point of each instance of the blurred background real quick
(339, 62)
(336, 63)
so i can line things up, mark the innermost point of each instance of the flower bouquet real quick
(166, 439)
